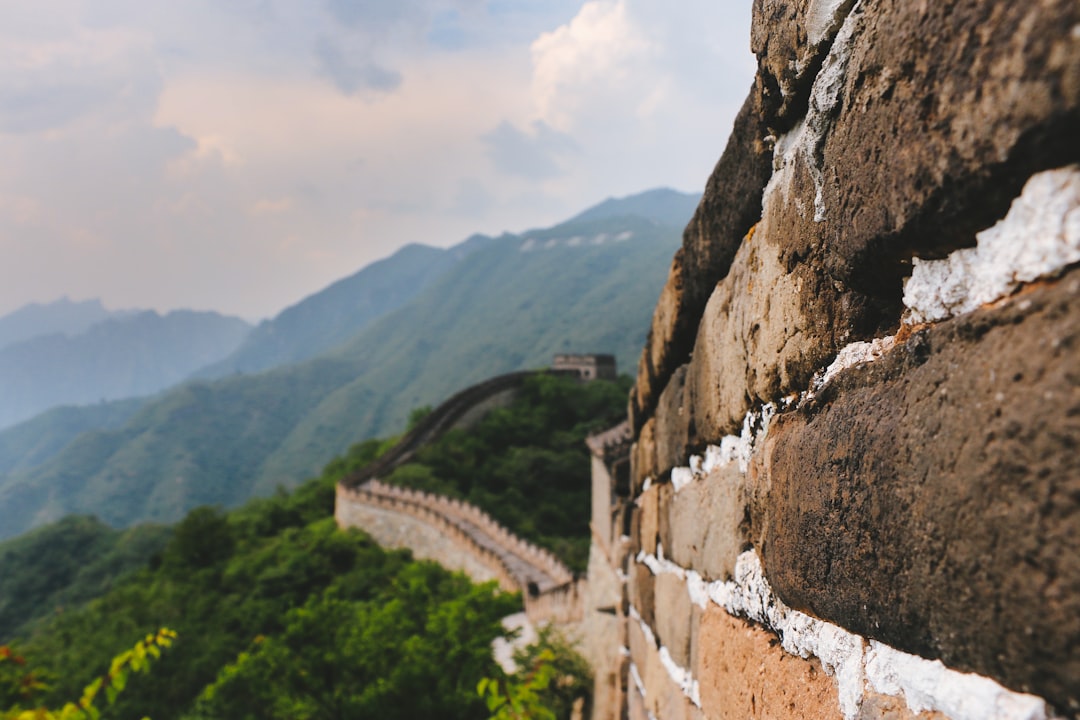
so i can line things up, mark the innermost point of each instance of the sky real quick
(240, 155)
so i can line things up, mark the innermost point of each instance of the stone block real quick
(643, 457)
(665, 494)
(790, 39)
(709, 523)
(672, 424)
(744, 674)
(647, 502)
(765, 332)
(931, 499)
(642, 588)
(673, 617)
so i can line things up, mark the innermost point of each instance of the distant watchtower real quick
(587, 367)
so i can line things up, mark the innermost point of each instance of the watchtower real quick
(587, 367)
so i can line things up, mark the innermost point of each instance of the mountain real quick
(586, 285)
(662, 205)
(62, 316)
(119, 357)
(328, 318)
(32, 442)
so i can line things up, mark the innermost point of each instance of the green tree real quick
(417, 654)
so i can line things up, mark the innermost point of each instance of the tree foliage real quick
(18, 687)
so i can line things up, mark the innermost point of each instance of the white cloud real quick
(204, 154)
(588, 62)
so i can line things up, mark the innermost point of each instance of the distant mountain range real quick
(350, 363)
(122, 355)
(63, 317)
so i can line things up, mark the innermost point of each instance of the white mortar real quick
(925, 685)
(806, 138)
(1038, 237)
(851, 355)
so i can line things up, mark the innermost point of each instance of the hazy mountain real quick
(62, 316)
(120, 357)
(662, 205)
(32, 442)
(587, 285)
(334, 315)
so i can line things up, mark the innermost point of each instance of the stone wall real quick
(855, 480)
(460, 536)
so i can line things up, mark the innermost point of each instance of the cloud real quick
(241, 155)
(375, 15)
(353, 75)
(588, 60)
(534, 154)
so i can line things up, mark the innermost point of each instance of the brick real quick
(931, 499)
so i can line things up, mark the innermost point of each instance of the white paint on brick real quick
(851, 355)
(698, 589)
(823, 17)
(924, 684)
(637, 680)
(806, 138)
(928, 685)
(645, 629)
(732, 449)
(681, 677)
(1039, 237)
(681, 477)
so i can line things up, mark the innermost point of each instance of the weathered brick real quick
(744, 673)
(931, 499)
(708, 520)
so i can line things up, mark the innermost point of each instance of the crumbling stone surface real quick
(743, 673)
(931, 499)
(939, 113)
(790, 40)
(730, 206)
(765, 332)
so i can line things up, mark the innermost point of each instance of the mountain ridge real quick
(589, 286)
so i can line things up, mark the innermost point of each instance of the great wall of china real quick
(849, 486)
(453, 533)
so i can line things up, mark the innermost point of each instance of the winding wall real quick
(855, 486)
(453, 533)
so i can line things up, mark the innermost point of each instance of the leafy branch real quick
(135, 660)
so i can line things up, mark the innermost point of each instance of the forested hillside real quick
(282, 615)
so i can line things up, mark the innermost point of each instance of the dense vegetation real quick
(501, 308)
(527, 464)
(65, 564)
(282, 615)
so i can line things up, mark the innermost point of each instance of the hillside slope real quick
(339, 312)
(120, 357)
(511, 304)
